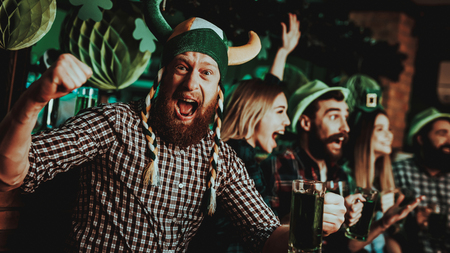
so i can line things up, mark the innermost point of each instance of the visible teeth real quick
(189, 100)
(341, 138)
(280, 132)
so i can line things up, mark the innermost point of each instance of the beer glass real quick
(338, 187)
(437, 222)
(360, 230)
(305, 233)
(86, 97)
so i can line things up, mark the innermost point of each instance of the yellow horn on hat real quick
(244, 53)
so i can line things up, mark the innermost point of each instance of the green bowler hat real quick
(423, 118)
(304, 96)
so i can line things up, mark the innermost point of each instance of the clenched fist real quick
(65, 75)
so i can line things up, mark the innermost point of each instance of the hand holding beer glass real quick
(305, 234)
(360, 230)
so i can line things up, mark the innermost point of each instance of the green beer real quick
(437, 224)
(360, 231)
(306, 221)
(84, 102)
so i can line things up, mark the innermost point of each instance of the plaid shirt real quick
(409, 174)
(116, 211)
(280, 169)
(218, 232)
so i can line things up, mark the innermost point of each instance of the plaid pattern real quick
(217, 232)
(116, 211)
(280, 169)
(408, 174)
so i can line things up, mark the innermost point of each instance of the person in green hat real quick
(319, 127)
(150, 170)
(426, 173)
(368, 164)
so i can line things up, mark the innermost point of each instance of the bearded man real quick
(426, 173)
(319, 126)
(150, 169)
(319, 122)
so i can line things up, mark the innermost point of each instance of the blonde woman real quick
(369, 165)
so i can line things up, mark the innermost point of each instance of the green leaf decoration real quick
(108, 46)
(23, 23)
(91, 8)
(148, 39)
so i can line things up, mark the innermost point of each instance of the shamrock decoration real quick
(91, 8)
(265, 46)
(142, 32)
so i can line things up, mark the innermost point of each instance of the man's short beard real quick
(318, 147)
(434, 157)
(169, 128)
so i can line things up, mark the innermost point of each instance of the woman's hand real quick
(354, 206)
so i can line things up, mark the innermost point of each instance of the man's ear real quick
(305, 122)
(419, 139)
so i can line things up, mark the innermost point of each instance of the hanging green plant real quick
(23, 23)
(107, 46)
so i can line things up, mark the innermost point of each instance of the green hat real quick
(304, 96)
(423, 118)
(198, 35)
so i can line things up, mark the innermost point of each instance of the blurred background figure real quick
(427, 173)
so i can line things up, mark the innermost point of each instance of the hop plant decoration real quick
(107, 46)
(25, 22)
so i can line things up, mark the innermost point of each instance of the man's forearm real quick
(15, 140)
(278, 240)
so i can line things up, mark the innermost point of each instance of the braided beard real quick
(170, 129)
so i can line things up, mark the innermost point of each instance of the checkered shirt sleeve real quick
(436, 189)
(116, 211)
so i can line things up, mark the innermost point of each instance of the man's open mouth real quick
(187, 106)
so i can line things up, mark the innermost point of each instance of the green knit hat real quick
(421, 119)
(304, 96)
(197, 35)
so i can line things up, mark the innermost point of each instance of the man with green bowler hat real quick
(319, 127)
(427, 173)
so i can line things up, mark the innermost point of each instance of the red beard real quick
(170, 129)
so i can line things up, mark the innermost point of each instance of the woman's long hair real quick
(246, 107)
(361, 157)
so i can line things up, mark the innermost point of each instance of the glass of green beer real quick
(86, 97)
(437, 222)
(305, 233)
(360, 230)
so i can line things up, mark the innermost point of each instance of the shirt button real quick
(180, 186)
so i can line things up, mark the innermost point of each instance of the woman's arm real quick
(290, 41)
